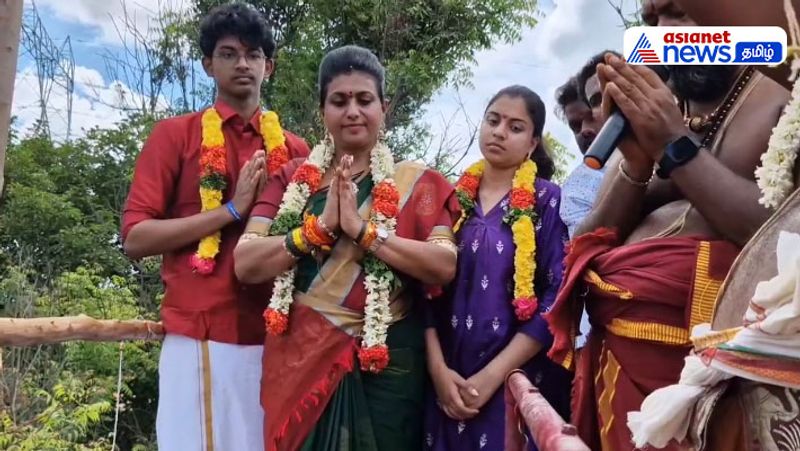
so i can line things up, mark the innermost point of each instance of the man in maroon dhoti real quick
(675, 207)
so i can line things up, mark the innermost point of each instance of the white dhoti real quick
(209, 396)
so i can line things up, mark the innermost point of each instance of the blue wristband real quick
(233, 212)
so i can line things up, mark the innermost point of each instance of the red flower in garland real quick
(277, 322)
(276, 158)
(469, 184)
(521, 199)
(202, 266)
(213, 161)
(308, 174)
(524, 308)
(386, 197)
(373, 359)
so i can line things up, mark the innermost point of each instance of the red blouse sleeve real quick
(431, 205)
(270, 199)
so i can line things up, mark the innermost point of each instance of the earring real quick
(328, 140)
(382, 132)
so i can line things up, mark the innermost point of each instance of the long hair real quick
(536, 112)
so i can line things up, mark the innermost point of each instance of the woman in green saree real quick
(355, 242)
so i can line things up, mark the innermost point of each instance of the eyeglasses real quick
(231, 57)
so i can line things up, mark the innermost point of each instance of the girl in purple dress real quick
(511, 248)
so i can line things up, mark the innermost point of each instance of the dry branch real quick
(39, 331)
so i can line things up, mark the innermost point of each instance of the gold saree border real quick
(335, 279)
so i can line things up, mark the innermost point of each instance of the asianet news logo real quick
(705, 45)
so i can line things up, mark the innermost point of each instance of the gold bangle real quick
(326, 229)
(370, 235)
(631, 180)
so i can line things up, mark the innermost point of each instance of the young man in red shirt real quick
(194, 184)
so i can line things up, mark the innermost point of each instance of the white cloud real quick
(570, 33)
(95, 102)
(108, 17)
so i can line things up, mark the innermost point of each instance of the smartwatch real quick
(677, 154)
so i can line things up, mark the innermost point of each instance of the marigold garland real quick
(379, 280)
(214, 173)
(520, 216)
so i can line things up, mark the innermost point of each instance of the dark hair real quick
(566, 94)
(588, 70)
(346, 60)
(239, 20)
(536, 113)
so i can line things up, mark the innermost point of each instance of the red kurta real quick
(642, 299)
(165, 186)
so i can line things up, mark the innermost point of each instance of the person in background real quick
(580, 189)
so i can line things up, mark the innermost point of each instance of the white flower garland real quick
(774, 176)
(379, 278)
(293, 202)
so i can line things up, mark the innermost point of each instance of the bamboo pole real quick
(524, 403)
(39, 331)
(10, 26)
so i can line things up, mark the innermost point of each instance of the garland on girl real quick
(304, 234)
(520, 216)
(214, 172)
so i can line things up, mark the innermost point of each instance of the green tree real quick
(560, 155)
(423, 44)
(60, 255)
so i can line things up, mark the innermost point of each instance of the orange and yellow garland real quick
(520, 217)
(214, 173)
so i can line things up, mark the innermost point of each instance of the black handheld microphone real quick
(612, 131)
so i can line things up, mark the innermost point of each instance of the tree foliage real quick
(60, 255)
(560, 154)
(423, 44)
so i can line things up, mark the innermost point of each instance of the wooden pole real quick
(10, 26)
(38, 331)
(526, 405)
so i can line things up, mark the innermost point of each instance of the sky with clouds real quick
(568, 33)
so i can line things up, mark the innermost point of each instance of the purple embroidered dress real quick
(475, 320)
